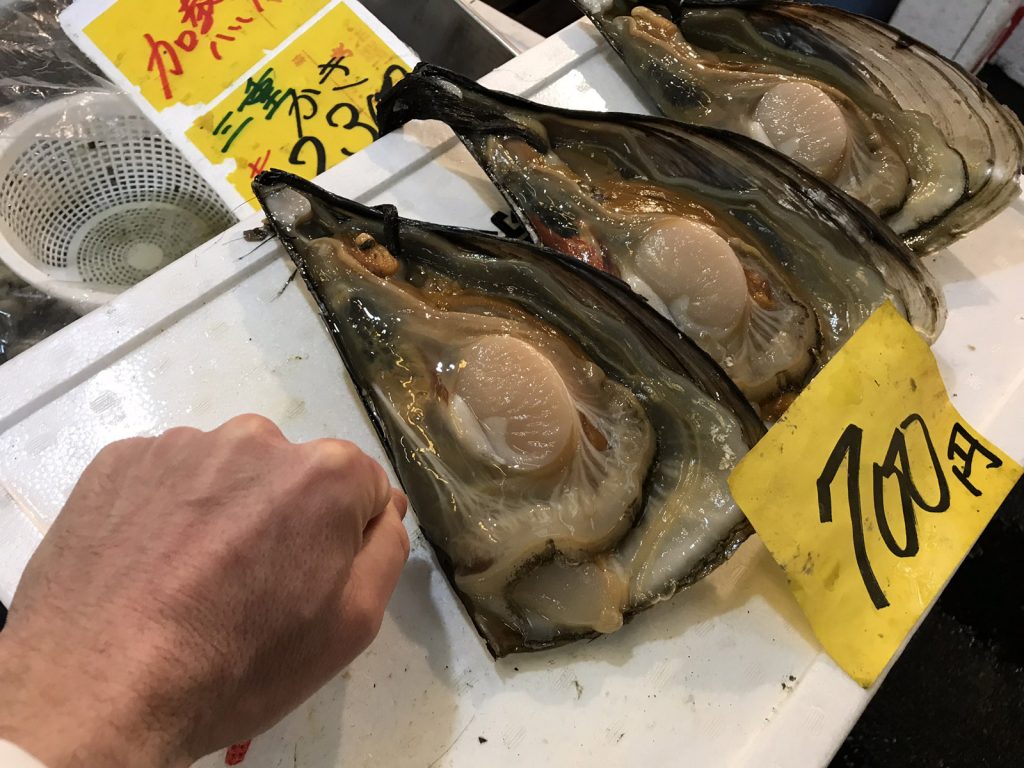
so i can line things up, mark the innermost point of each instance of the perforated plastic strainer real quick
(93, 199)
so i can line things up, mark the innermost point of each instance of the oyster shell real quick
(767, 268)
(565, 449)
(885, 118)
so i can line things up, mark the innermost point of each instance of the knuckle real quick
(179, 435)
(251, 425)
(377, 484)
(381, 477)
(334, 455)
(128, 446)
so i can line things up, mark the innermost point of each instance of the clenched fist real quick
(195, 588)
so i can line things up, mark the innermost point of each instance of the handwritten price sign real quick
(247, 85)
(308, 108)
(870, 492)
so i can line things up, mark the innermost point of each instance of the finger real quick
(400, 501)
(374, 575)
(382, 491)
(378, 566)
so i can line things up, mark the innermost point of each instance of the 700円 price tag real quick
(870, 491)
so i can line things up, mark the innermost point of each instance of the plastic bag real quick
(38, 63)
(27, 316)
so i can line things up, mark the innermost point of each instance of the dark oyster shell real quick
(766, 267)
(566, 450)
(882, 116)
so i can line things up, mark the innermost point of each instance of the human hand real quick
(196, 588)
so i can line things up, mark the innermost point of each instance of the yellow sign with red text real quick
(870, 491)
(188, 51)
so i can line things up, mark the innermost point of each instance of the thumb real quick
(374, 576)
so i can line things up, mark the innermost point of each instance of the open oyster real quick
(565, 449)
(767, 268)
(885, 118)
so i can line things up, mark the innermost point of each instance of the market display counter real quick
(727, 674)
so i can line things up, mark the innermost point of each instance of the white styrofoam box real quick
(726, 674)
(962, 30)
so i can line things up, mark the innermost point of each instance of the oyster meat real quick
(565, 449)
(882, 116)
(766, 267)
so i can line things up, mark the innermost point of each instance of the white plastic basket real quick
(93, 199)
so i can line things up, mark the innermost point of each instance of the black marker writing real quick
(956, 451)
(895, 467)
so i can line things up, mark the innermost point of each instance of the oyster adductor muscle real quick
(880, 115)
(767, 268)
(565, 449)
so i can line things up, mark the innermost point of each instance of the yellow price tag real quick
(306, 109)
(188, 51)
(870, 491)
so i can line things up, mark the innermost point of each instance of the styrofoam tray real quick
(726, 674)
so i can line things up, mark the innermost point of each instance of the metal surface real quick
(444, 32)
